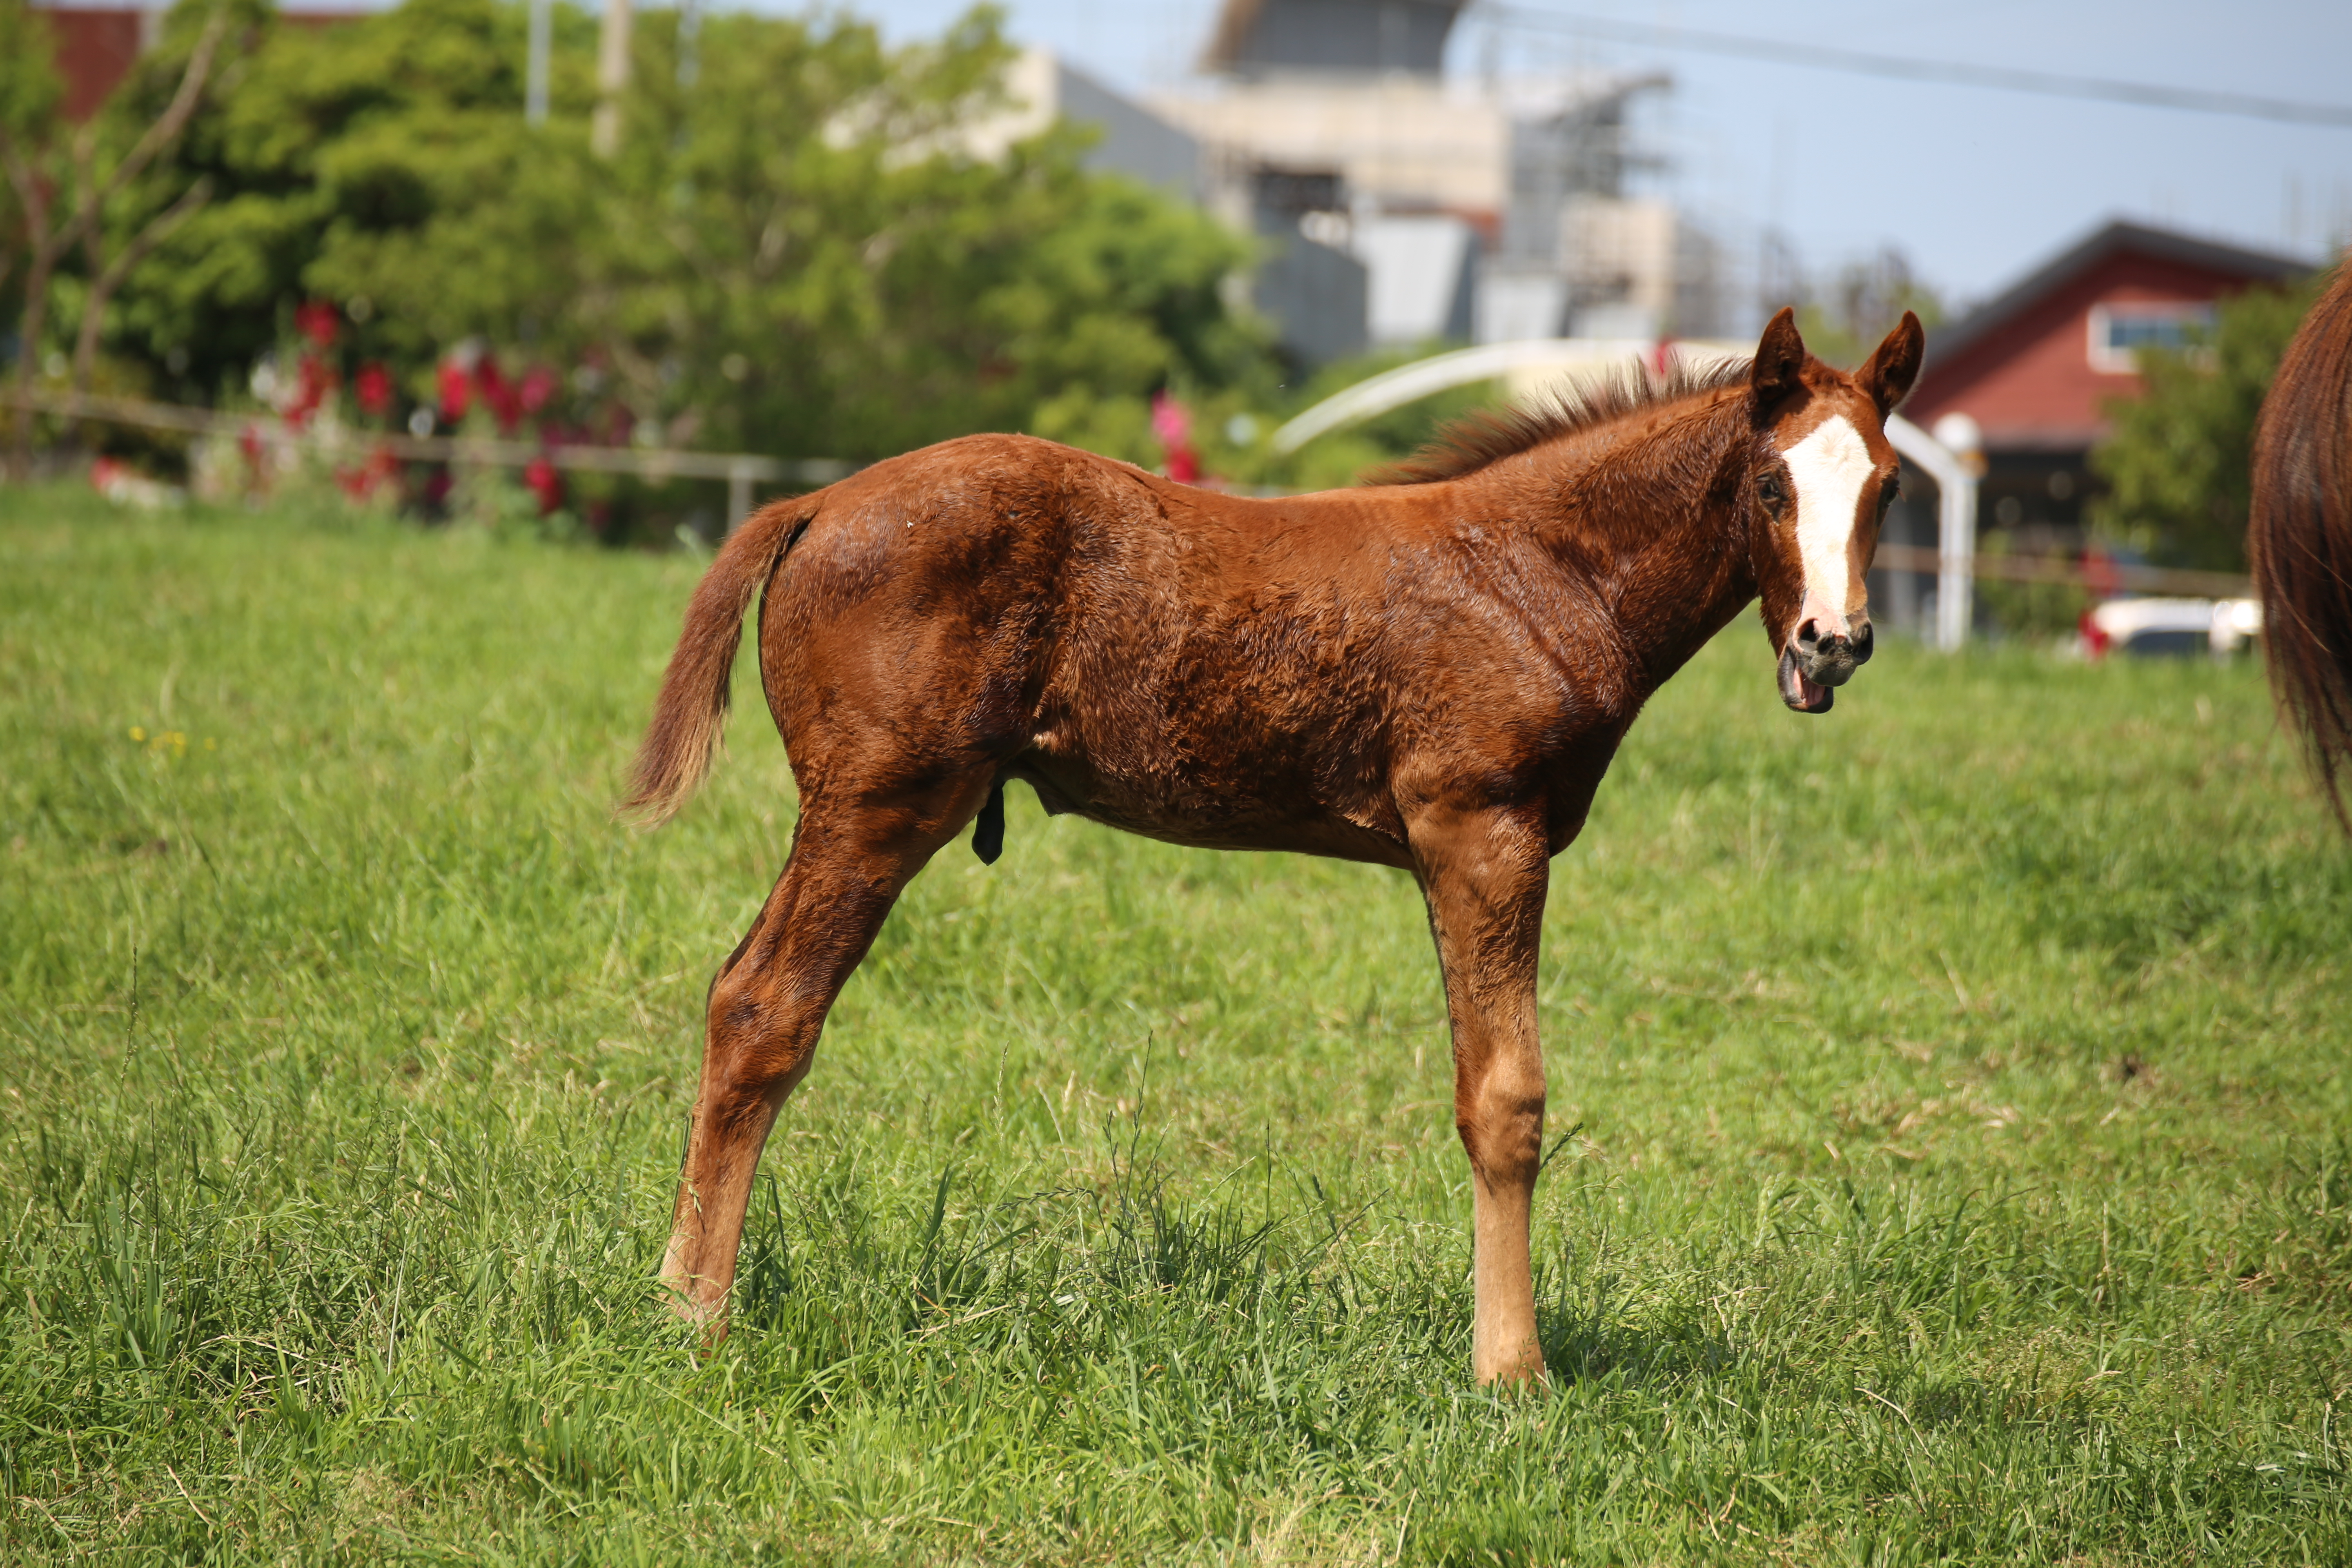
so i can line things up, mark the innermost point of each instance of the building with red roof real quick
(97, 42)
(2035, 368)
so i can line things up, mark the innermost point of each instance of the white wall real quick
(1422, 276)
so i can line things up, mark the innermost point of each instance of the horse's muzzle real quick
(1830, 658)
(1815, 663)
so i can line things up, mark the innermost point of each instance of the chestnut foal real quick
(1430, 673)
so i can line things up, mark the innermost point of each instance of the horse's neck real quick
(1647, 519)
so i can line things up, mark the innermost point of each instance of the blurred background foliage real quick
(799, 248)
(808, 245)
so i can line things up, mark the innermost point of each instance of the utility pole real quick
(612, 79)
(689, 43)
(534, 91)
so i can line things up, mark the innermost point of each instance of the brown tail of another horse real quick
(2300, 533)
(683, 737)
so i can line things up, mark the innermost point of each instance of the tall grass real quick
(1961, 1166)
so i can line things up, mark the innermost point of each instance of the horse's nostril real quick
(1862, 639)
(1809, 636)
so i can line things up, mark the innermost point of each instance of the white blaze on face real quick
(1828, 470)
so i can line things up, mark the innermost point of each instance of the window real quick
(2119, 332)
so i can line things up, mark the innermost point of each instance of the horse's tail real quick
(691, 710)
(2299, 534)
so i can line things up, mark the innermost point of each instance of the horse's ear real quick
(1892, 366)
(1780, 361)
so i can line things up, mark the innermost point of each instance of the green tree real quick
(65, 185)
(365, 132)
(30, 93)
(797, 249)
(800, 253)
(2177, 463)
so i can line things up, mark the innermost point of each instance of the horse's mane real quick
(1489, 434)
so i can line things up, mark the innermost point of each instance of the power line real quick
(1865, 63)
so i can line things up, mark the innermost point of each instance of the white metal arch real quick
(1956, 482)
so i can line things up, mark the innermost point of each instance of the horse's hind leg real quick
(848, 864)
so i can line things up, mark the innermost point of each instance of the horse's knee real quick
(1500, 1118)
(760, 1046)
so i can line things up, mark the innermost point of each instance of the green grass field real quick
(1962, 1166)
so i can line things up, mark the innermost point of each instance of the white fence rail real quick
(742, 470)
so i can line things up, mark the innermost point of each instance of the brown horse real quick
(1430, 673)
(2300, 533)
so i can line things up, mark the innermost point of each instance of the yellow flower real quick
(138, 732)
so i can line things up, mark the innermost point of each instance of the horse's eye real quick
(1893, 487)
(1769, 488)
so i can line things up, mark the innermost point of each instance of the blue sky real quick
(1975, 185)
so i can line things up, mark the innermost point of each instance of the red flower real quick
(2096, 640)
(380, 471)
(506, 406)
(539, 384)
(545, 483)
(373, 385)
(457, 392)
(312, 382)
(1174, 425)
(1170, 421)
(316, 319)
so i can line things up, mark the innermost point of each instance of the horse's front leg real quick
(1483, 874)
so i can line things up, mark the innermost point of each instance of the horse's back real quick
(1155, 654)
(1208, 668)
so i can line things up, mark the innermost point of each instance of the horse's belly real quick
(1209, 808)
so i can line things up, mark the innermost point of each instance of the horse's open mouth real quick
(1798, 691)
